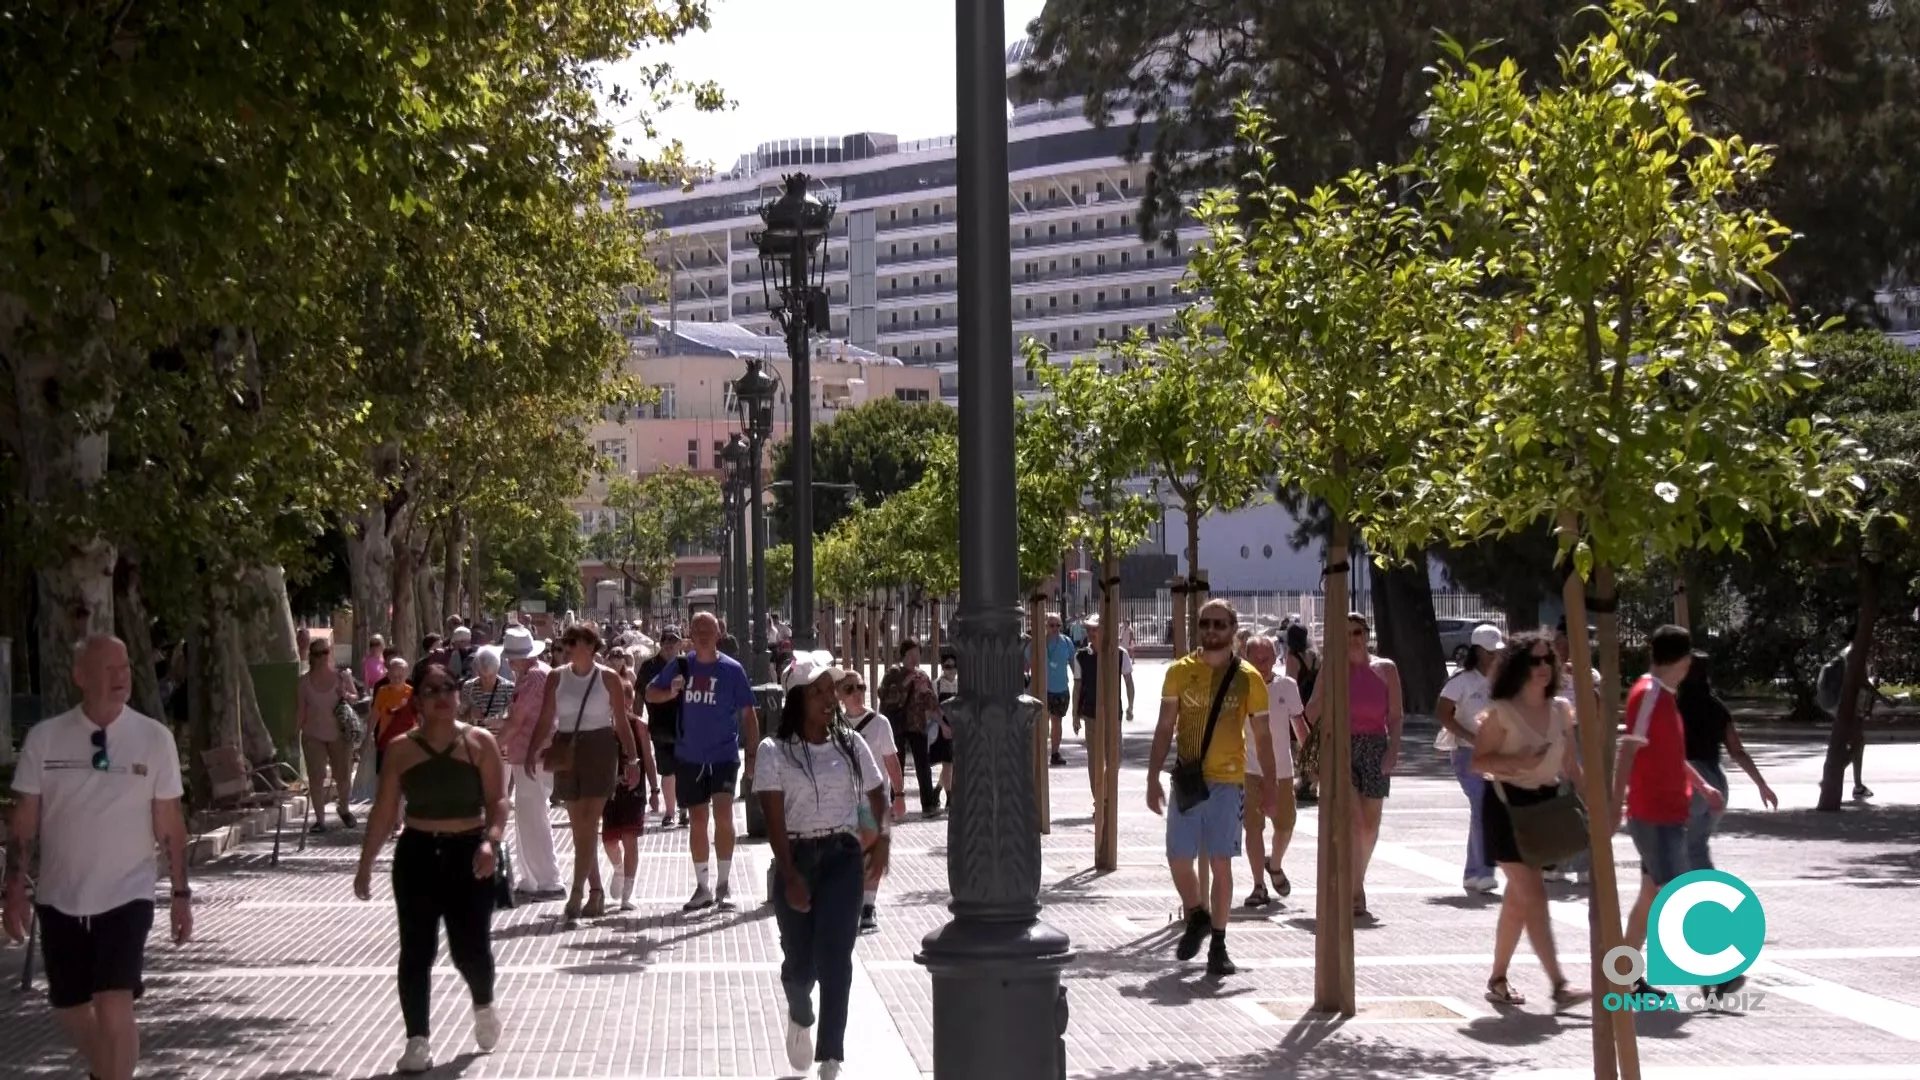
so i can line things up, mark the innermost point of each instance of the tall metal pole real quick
(757, 512)
(737, 614)
(996, 966)
(801, 395)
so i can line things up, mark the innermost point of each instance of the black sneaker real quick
(1862, 791)
(1642, 986)
(1731, 986)
(1198, 925)
(346, 818)
(723, 896)
(684, 819)
(666, 820)
(1058, 760)
(702, 900)
(319, 827)
(1219, 964)
(868, 924)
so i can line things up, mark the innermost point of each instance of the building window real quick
(1101, 333)
(1029, 303)
(916, 213)
(1126, 294)
(936, 348)
(1100, 223)
(893, 283)
(936, 277)
(1076, 226)
(910, 394)
(936, 245)
(1076, 191)
(916, 350)
(893, 215)
(916, 281)
(1100, 188)
(916, 316)
(893, 249)
(663, 405)
(1076, 262)
(893, 318)
(1151, 291)
(615, 451)
(1052, 302)
(719, 447)
(693, 453)
(1076, 299)
(1123, 183)
(1153, 331)
(916, 247)
(1026, 234)
(1052, 230)
(1126, 220)
(1100, 260)
(1076, 335)
(1149, 254)
(936, 314)
(1052, 265)
(1125, 257)
(936, 209)
(1053, 338)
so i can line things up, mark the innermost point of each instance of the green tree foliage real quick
(780, 572)
(878, 449)
(1350, 326)
(1089, 418)
(1205, 440)
(651, 519)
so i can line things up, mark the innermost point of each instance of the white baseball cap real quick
(811, 667)
(1487, 637)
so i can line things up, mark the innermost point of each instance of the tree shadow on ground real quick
(1860, 823)
(174, 1038)
(1464, 901)
(1315, 1046)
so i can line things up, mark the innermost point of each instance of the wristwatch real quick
(183, 893)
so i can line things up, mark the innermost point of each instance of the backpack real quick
(1827, 688)
(894, 687)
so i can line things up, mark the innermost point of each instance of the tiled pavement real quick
(291, 978)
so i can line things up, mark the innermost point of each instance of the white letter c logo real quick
(1673, 934)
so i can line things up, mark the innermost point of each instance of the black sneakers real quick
(1198, 924)
(1218, 963)
(868, 923)
(346, 818)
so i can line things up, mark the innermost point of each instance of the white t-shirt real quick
(823, 789)
(1566, 684)
(1471, 693)
(879, 736)
(96, 826)
(1283, 704)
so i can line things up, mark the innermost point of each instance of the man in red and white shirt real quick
(1653, 781)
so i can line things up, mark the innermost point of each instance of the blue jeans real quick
(1475, 786)
(817, 944)
(1701, 821)
(1662, 848)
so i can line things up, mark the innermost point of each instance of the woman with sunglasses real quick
(877, 730)
(454, 782)
(813, 776)
(1374, 716)
(590, 705)
(1524, 746)
(324, 742)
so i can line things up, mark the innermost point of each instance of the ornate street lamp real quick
(793, 280)
(754, 393)
(735, 465)
(996, 966)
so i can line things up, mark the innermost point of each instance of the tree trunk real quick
(426, 579)
(256, 742)
(62, 448)
(1103, 744)
(1409, 633)
(1849, 721)
(452, 577)
(1333, 981)
(406, 594)
(270, 636)
(1613, 1039)
(476, 604)
(136, 629)
(1178, 619)
(370, 559)
(1194, 576)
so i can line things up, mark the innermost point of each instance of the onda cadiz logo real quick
(1706, 928)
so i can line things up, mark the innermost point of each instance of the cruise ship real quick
(1082, 272)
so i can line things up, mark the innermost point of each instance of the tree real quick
(872, 452)
(651, 519)
(1642, 345)
(1201, 434)
(1349, 324)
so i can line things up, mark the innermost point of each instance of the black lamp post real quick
(754, 391)
(996, 965)
(735, 464)
(796, 227)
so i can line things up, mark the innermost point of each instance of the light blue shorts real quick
(1216, 821)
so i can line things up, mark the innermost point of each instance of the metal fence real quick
(1148, 619)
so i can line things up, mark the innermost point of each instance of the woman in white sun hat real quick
(811, 775)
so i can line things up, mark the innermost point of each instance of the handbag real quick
(558, 758)
(503, 877)
(351, 729)
(1549, 832)
(1189, 777)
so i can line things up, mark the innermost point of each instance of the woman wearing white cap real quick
(811, 775)
(1462, 700)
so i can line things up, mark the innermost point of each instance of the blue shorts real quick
(1662, 848)
(1216, 821)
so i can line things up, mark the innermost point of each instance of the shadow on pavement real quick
(1315, 1046)
(1855, 824)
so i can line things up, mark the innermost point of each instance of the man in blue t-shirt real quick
(716, 708)
(1060, 652)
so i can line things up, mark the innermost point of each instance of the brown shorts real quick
(596, 760)
(1253, 814)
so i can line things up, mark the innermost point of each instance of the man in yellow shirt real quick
(1213, 823)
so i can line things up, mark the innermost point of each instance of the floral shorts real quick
(1369, 763)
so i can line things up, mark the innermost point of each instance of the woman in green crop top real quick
(455, 785)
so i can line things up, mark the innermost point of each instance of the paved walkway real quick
(291, 978)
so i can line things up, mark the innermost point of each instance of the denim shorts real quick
(1662, 848)
(1216, 821)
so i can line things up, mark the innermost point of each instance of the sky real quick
(829, 67)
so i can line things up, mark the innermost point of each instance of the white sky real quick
(829, 67)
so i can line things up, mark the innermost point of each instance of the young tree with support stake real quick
(1644, 344)
(1350, 328)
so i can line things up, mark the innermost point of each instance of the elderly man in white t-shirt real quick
(1286, 712)
(99, 787)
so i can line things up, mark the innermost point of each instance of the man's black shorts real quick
(1057, 704)
(88, 956)
(696, 784)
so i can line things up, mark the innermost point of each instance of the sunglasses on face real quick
(1215, 624)
(853, 688)
(1535, 659)
(100, 760)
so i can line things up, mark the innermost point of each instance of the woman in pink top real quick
(373, 666)
(1374, 714)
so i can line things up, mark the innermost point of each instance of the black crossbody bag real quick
(1189, 777)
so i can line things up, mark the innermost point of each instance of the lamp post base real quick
(999, 1011)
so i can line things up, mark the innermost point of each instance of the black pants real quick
(817, 944)
(915, 743)
(433, 881)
